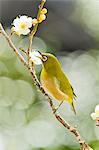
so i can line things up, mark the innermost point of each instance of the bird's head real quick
(49, 61)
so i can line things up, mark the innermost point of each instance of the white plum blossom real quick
(95, 115)
(36, 57)
(22, 25)
(97, 109)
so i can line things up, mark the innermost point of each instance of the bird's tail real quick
(73, 108)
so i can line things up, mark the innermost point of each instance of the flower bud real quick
(34, 22)
(44, 11)
(41, 18)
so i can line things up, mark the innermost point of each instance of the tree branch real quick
(83, 144)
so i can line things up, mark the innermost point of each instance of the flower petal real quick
(93, 116)
(97, 109)
(35, 57)
(16, 21)
(23, 18)
(25, 32)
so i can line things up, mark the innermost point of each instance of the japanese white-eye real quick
(54, 81)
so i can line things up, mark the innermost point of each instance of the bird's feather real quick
(65, 86)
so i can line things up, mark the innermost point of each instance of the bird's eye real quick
(44, 58)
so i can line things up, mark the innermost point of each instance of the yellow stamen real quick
(23, 25)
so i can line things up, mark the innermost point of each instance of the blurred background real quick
(71, 32)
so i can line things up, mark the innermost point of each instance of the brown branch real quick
(83, 144)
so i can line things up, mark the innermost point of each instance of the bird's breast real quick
(51, 87)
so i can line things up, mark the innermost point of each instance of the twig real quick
(22, 49)
(83, 144)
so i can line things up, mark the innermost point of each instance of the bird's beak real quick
(41, 55)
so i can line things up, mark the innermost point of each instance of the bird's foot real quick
(56, 108)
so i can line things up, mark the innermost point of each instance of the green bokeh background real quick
(26, 121)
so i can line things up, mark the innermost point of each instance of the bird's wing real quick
(68, 98)
(65, 88)
(64, 85)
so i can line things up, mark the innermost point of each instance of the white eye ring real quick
(44, 58)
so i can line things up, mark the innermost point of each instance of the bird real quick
(54, 80)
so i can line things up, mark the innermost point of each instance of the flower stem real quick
(33, 32)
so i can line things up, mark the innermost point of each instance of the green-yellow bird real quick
(54, 81)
